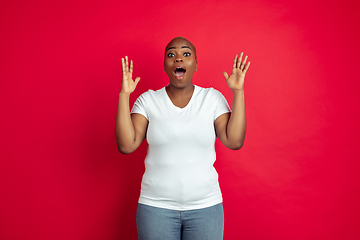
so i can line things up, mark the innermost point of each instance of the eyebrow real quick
(181, 47)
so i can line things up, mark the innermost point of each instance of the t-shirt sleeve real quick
(140, 106)
(222, 105)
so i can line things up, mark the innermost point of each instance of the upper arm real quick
(140, 124)
(221, 124)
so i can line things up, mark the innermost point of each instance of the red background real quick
(297, 176)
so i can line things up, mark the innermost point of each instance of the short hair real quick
(191, 45)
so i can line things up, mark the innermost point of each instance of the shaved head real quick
(192, 47)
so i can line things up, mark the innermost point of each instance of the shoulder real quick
(149, 94)
(209, 92)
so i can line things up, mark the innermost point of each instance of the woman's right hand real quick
(128, 84)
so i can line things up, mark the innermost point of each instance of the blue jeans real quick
(155, 223)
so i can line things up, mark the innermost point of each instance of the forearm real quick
(236, 128)
(124, 128)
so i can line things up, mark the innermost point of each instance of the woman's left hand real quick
(237, 77)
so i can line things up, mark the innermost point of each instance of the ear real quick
(196, 65)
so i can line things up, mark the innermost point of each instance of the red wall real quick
(297, 176)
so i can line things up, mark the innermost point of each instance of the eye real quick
(187, 54)
(171, 55)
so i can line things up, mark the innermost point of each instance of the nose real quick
(178, 59)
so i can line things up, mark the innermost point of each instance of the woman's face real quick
(180, 62)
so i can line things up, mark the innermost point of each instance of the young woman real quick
(180, 196)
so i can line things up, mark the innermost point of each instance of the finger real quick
(239, 60)
(247, 67)
(234, 64)
(123, 66)
(127, 63)
(131, 66)
(137, 80)
(243, 62)
(226, 75)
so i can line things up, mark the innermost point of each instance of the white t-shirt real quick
(179, 172)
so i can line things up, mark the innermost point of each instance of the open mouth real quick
(179, 72)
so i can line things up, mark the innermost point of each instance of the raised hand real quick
(128, 84)
(237, 77)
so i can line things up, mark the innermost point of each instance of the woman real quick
(180, 195)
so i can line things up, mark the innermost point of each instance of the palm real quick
(128, 84)
(237, 77)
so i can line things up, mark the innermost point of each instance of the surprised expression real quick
(180, 62)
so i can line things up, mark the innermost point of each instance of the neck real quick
(180, 92)
(180, 97)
